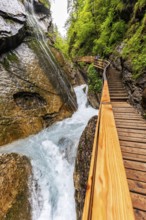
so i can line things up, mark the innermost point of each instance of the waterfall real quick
(54, 72)
(52, 154)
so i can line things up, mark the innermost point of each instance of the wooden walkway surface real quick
(116, 188)
(131, 129)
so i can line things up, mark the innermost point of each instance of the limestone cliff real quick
(34, 91)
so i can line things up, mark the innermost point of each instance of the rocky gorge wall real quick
(34, 91)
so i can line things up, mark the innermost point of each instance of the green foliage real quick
(98, 27)
(61, 44)
(95, 27)
(45, 3)
(135, 47)
(94, 80)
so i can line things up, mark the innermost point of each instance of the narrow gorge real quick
(50, 97)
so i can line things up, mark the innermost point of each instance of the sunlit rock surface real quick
(15, 171)
(29, 102)
(34, 90)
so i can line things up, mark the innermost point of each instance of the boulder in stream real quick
(82, 165)
(15, 171)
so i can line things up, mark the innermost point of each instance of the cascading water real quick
(52, 153)
(54, 72)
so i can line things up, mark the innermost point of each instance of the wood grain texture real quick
(136, 175)
(105, 93)
(137, 186)
(111, 193)
(133, 144)
(139, 201)
(139, 215)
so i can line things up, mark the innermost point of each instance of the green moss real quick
(12, 57)
(5, 63)
(45, 3)
(8, 59)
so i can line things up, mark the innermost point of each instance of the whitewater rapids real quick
(52, 154)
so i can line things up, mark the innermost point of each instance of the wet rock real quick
(93, 99)
(42, 6)
(28, 100)
(82, 165)
(127, 65)
(15, 171)
(74, 75)
(12, 24)
(65, 147)
(141, 81)
(144, 99)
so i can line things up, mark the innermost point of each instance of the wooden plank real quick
(133, 139)
(117, 94)
(135, 123)
(135, 131)
(119, 98)
(111, 194)
(132, 144)
(135, 165)
(124, 125)
(131, 115)
(136, 175)
(133, 150)
(134, 157)
(121, 104)
(135, 135)
(129, 120)
(139, 215)
(123, 110)
(139, 201)
(136, 186)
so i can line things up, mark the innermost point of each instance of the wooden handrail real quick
(107, 194)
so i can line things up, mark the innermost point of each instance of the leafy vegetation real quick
(98, 27)
(61, 44)
(45, 3)
(135, 46)
(94, 79)
(95, 27)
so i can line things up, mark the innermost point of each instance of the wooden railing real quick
(107, 194)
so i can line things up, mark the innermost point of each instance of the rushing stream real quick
(52, 153)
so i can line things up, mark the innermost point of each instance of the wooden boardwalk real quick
(116, 188)
(131, 129)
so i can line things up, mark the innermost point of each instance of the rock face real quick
(74, 75)
(34, 90)
(12, 24)
(94, 99)
(14, 193)
(82, 165)
(29, 101)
